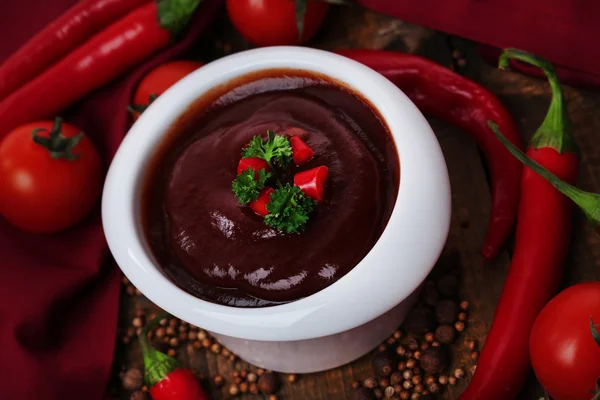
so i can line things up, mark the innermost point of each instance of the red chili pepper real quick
(253, 162)
(457, 100)
(259, 206)
(301, 152)
(166, 377)
(312, 182)
(97, 62)
(541, 246)
(52, 43)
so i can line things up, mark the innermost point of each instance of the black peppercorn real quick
(434, 360)
(448, 285)
(430, 294)
(268, 383)
(445, 334)
(419, 321)
(383, 363)
(364, 394)
(446, 312)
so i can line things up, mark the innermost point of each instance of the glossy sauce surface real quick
(222, 252)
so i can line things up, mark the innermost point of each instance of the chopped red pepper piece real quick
(301, 152)
(259, 206)
(312, 182)
(253, 162)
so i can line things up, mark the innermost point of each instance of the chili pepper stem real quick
(555, 130)
(157, 365)
(589, 203)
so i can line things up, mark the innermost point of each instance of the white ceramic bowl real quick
(345, 320)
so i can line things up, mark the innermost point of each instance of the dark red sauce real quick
(224, 253)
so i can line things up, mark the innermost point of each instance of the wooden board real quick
(527, 99)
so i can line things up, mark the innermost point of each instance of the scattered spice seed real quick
(268, 383)
(389, 391)
(355, 385)
(197, 345)
(202, 334)
(434, 360)
(383, 363)
(244, 386)
(459, 373)
(253, 388)
(163, 322)
(416, 379)
(370, 383)
(225, 352)
(215, 348)
(404, 395)
(173, 322)
(446, 312)
(133, 379)
(462, 316)
(252, 377)
(452, 380)
(378, 393)
(170, 331)
(243, 374)
(415, 396)
(429, 337)
(401, 366)
(443, 380)
(413, 345)
(419, 388)
(395, 378)
(391, 340)
(408, 374)
(218, 381)
(459, 326)
(206, 343)
(474, 355)
(130, 290)
(173, 342)
(237, 380)
(273, 397)
(411, 363)
(417, 355)
(233, 390)
(435, 344)
(160, 332)
(382, 347)
(171, 353)
(407, 385)
(401, 350)
(471, 344)
(292, 378)
(398, 388)
(260, 371)
(192, 335)
(445, 334)
(424, 345)
(397, 335)
(383, 383)
(434, 388)
(464, 305)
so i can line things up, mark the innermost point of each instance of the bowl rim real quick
(418, 225)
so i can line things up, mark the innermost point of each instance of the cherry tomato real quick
(273, 22)
(564, 354)
(157, 81)
(49, 180)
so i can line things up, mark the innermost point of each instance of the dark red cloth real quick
(59, 293)
(563, 31)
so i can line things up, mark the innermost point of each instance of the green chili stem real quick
(588, 202)
(555, 130)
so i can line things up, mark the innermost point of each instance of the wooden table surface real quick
(526, 98)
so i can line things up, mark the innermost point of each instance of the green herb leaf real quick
(246, 188)
(289, 209)
(276, 147)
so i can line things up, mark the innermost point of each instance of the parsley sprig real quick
(276, 148)
(246, 188)
(289, 209)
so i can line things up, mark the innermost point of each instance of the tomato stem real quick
(589, 203)
(58, 145)
(555, 130)
(595, 333)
